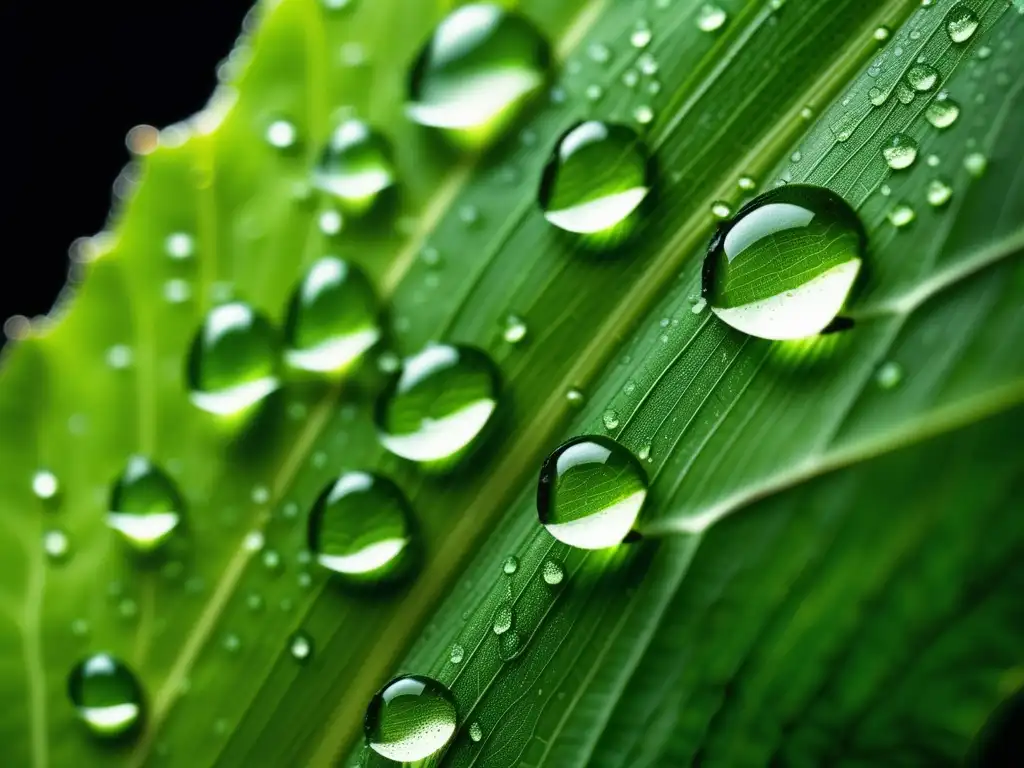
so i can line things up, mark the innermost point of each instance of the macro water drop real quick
(711, 17)
(922, 77)
(552, 572)
(233, 361)
(961, 23)
(783, 266)
(477, 72)
(938, 192)
(360, 527)
(145, 505)
(300, 646)
(411, 718)
(510, 566)
(355, 167)
(333, 318)
(457, 654)
(900, 152)
(596, 178)
(901, 215)
(106, 695)
(434, 409)
(476, 733)
(591, 492)
(943, 111)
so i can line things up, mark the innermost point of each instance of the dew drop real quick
(943, 111)
(901, 215)
(333, 318)
(922, 77)
(511, 565)
(938, 193)
(361, 527)
(877, 96)
(599, 52)
(177, 291)
(106, 695)
(45, 485)
(647, 64)
(232, 642)
(434, 409)
(975, 164)
(881, 34)
(410, 719)
(355, 167)
(711, 17)
(145, 505)
(119, 357)
(889, 375)
(300, 646)
(595, 180)
(961, 23)
(515, 329)
(594, 92)
(784, 265)
(630, 78)
(330, 222)
(282, 134)
(904, 93)
(641, 37)
(510, 645)
(610, 419)
(746, 183)
(232, 363)
(591, 492)
(180, 245)
(552, 572)
(458, 653)
(476, 74)
(476, 733)
(900, 152)
(56, 545)
(721, 209)
(503, 619)
(643, 114)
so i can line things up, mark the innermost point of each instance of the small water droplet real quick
(355, 167)
(721, 209)
(503, 619)
(594, 92)
(106, 695)
(698, 306)
(476, 733)
(575, 397)
(411, 718)
(984, 52)
(630, 78)
(922, 77)
(881, 33)
(177, 291)
(458, 653)
(254, 602)
(975, 164)
(961, 23)
(877, 96)
(806, 113)
(599, 52)
(45, 485)
(591, 492)
(900, 152)
(610, 419)
(647, 64)
(645, 452)
(641, 37)
(889, 375)
(271, 560)
(180, 245)
(943, 111)
(938, 193)
(282, 134)
(552, 572)
(300, 646)
(330, 222)
(904, 93)
(511, 565)
(145, 505)
(746, 183)
(711, 17)
(643, 114)
(56, 545)
(515, 329)
(232, 643)
(901, 215)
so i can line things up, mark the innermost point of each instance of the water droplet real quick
(630, 78)
(984, 52)
(594, 92)
(232, 364)
(282, 134)
(647, 63)
(330, 222)
(106, 695)
(355, 166)
(643, 114)
(591, 492)
(599, 52)
(254, 602)
(232, 643)
(361, 527)
(300, 646)
(254, 541)
(975, 164)
(595, 180)
(515, 329)
(901, 215)
(410, 718)
(698, 306)
(710, 17)
(922, 77)
(900, 152)
(889, 375)
(644, 454)
(938, 192)
(469, 215)
(503, 619)
(575, 397)
(961, 23)
(177, 291)
(806, 113)
(784, 265)
(877, 96)
(904, 93)
(438, 404)
(45, 485)
(271, 560)
(721, 209)
(145, 505)
(882, 33)
(477, 72)
(943, 111)
(337, 5)
(476, 733)
(610, 419)
(457, 654)
(641, 37)
(510, 645)
(746, 183)
(119, 357)
(552, 572)
(56, 545)
(333, 318)
(180, 245)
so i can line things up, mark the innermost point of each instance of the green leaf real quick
(828, 572)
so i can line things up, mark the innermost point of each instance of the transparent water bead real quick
(145, 505)
(410, 719)
(901, 215)
(900, 152)
(591, 492)
(300, 646)
(552, 572)
(106, 695)
(922, 77)
(45, 485)
(360, 526)
(596, 179)
(938, 192)
(477, 72)
(433, 410)
(333, 318)
(961, 23)
(232, 363)
(943, 111)
(711, 17)
(783, 266)
(355, 167)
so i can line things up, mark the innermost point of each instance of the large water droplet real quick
(433, 410)
(943, 111)
(961, 23)
(356, 166)
(145, 505)
(410, 719)
(596, 178)
(106, 695)
(232, 364)
(332, 318)
(477, 72)
(361, 526)
(900, 152)
(590, 493)
(784, 265)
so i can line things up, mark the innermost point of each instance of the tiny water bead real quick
(333, 318)
(56, 545)
(711, 17)
(437, 405)
(901, 215)
(503, 619)
(610, 419)
(784, 265)
(590, 492)
(596, 178)
(145, 505)
(410, 719)
(355, 166)
(232, 364)
(282, 134)
(900, 152)
(889, 375)
(458, 653)
(180, 245)
(943, 111)
(938, 192)
(476, 733)
(477, 72)
(515, 329)
(961, 23)
(45, 485)
(361, 527)
(975, 164)
(922, 77)
(511, 565)
(106, 695)
(552, 572)
(300, 646)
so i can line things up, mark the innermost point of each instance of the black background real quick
(77, 76)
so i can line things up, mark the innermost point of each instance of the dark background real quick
(77, 77)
